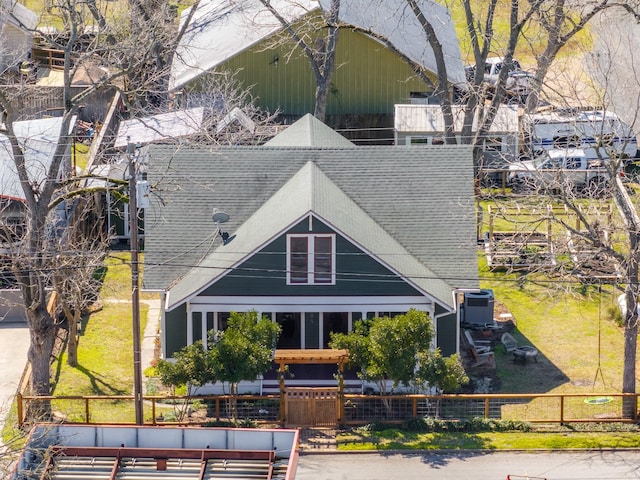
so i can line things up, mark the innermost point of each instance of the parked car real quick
(494, 65)
(561, 169)
(518, 81)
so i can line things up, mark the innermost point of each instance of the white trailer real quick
(601, 134)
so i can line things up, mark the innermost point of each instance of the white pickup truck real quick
(566, 169)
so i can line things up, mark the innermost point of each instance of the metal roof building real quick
(164, 126)
(39, 139)
(57, 452)
(220, 30)
(17, 23)
(379, 46)
(415, 118)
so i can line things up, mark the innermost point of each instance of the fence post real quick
(340, 395)
(561, 409)
(20, 411)
(486, 407)
(282, 414)
(415, 407)
(86, 409)
(153, 411)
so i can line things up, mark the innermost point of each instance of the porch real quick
(311, 375)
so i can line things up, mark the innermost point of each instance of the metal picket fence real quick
(356, 409)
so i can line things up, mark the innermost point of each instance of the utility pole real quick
(135, 283)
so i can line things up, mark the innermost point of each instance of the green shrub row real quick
(477, 424)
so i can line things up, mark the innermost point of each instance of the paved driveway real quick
(14, 343)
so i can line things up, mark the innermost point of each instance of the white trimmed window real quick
(311, 259)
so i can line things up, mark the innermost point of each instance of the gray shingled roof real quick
(313, 192)
(420, 198)
(308, 131)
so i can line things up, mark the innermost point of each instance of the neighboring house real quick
(243, 37)
(424, 124)
(514, 134)
(318, 236)
(88, 452)
(169, 126)
(173, 127)
(39, 139)
(110, 181)
(17, 23)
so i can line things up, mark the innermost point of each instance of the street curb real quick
(326, 451)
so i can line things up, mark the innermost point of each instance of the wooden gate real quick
(311, 407)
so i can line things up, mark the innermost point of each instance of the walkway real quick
(148, 345)
(317, 440)
(14, 344)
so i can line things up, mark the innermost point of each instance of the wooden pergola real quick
(311, 356)
(316, 356)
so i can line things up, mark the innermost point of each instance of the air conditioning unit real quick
(477, 308)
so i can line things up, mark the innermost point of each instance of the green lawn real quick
(105, 352)
(574, 326)
(580, 343)
(397, 440)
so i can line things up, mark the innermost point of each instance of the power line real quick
(263, 273)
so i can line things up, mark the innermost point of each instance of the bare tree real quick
(94, 53)
(619, 90)
(585, 231)
(76, 274)
(321, 52)
(561, 21)
(103, 63)
(230, 116)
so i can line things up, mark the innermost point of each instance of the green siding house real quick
(319, 236)
(370, 77)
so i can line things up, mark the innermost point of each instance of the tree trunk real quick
(40, 351)
(533, 99)
(234, 400)
(628, 212)
(72, 341)
(327, 63)
(630, 348)
(442, 85)
(322, 98)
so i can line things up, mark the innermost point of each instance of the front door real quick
(290, 334)
(336, 322)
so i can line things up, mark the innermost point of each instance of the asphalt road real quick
(471, 466)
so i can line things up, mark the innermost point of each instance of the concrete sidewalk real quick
(148, 345)
(14, 345)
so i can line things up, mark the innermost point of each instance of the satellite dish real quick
(219, 216)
